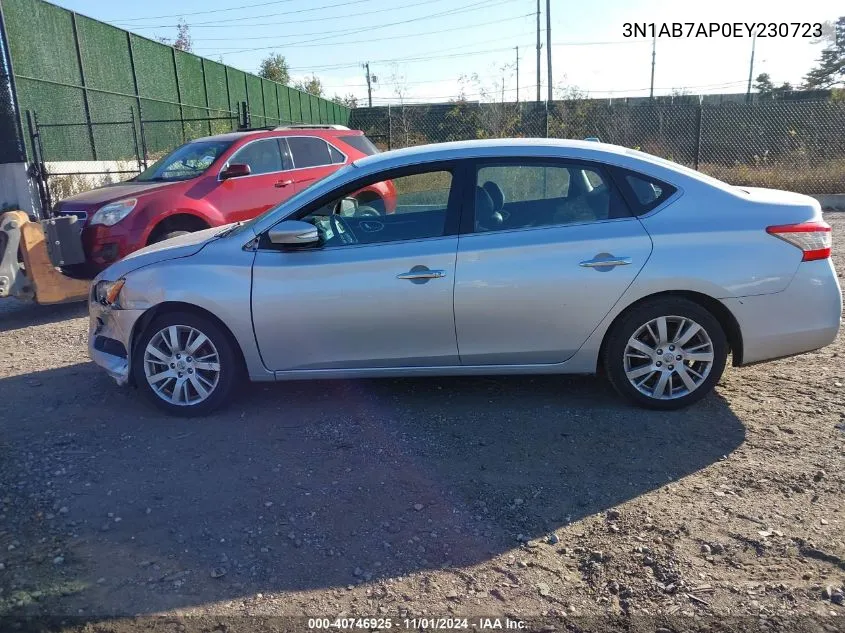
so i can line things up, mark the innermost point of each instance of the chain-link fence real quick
(795, 145)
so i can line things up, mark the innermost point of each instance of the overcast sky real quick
(435, 42)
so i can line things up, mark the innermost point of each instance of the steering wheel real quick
(342, 230)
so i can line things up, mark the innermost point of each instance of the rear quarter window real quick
(361, 143)
(645, 193)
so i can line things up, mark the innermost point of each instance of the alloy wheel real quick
(181, 365)
(668, 357)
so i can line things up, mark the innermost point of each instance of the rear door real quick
(269, 182)
(313, 158)
(549, 249)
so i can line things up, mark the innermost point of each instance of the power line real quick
(422, 57)
(320, 19)
(183, 14)
(219, 24)
(311, 43)
(227, 21)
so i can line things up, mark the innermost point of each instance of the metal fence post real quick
(389, 129)
(698, 135)
(135, 140)
(547, 120)
(143, 139)
(245, 118)
(39, 171)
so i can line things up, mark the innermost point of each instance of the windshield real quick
(185, 162)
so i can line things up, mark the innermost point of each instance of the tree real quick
(312, 85)
(350, 100)
(830, 68)
(763, 85)
(767, 90)
(183, 40)
(275, 68)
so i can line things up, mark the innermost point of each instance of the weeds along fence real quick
(795, 145)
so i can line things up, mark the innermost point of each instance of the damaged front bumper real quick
(110, 339)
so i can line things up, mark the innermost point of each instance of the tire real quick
(167, 236)
(220, 379)
(664, 382)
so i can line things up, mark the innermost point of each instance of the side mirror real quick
(294, 233)
(235, 171)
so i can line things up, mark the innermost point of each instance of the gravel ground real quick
(528, 497)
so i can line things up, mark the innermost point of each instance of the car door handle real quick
(422, 274)
(605, 262)
(283, 183)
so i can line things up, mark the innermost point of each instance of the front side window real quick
(309, 151)
(263, 157)
(185, 162)
(528, 195)
(420, 212)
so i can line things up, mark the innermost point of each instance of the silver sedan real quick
(500, 257)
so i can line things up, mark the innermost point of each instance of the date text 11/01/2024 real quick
(722, 29)
(416, 624)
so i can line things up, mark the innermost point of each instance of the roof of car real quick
(282, 131)
(490, 148)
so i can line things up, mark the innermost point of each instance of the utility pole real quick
(751, 67)
(366, 66)
(653, 55)
(538, 51)
(549, 45)
(517, 73)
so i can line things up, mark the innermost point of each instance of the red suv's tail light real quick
(813, 238)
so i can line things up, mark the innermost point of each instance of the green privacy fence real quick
(69, 68)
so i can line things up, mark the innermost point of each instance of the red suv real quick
(214, 181)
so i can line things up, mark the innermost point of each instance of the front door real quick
(268, 183)
(550, 249)
(377, 292)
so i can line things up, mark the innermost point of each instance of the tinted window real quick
(309, 151)
(335, 155)
(648, 192)
(188, 161)
(421, 202)
(263, 157)
(361, 143)
(520, 196)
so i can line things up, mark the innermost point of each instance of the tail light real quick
(813, 238)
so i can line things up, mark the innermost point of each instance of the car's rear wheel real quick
(666, 353)
(186, 364)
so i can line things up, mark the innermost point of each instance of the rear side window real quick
(309, 151)
(336, 156)
(361, 143)
(647, 192)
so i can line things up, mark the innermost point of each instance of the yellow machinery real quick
(31, 253)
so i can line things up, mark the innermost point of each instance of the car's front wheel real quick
(186, 364)
(666, 353)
